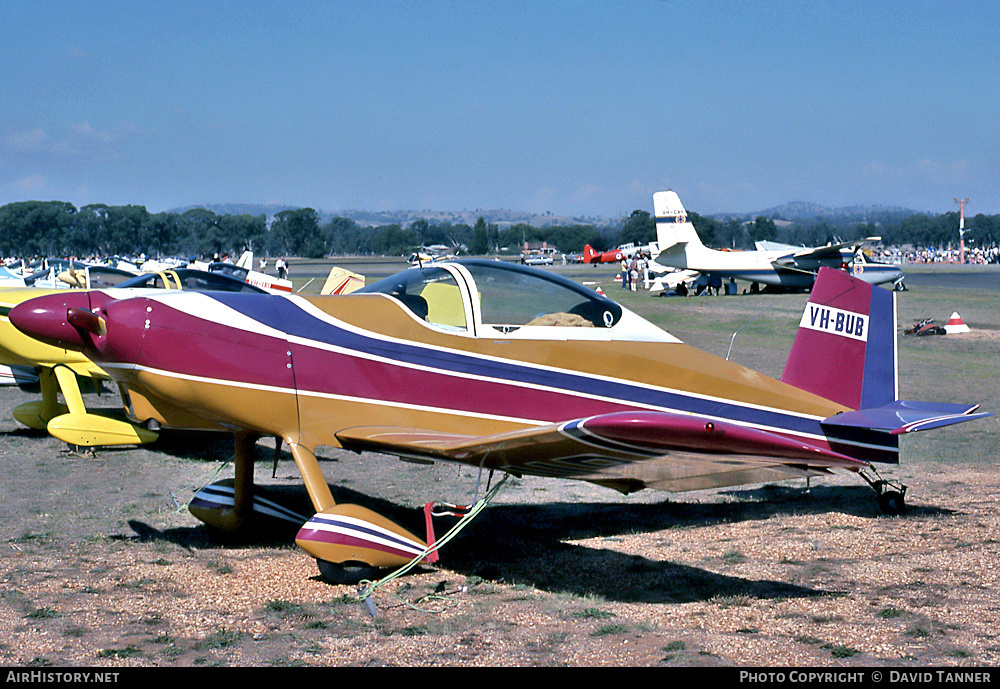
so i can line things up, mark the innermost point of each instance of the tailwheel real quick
(891, 494)
(892, 502)
(348, 572)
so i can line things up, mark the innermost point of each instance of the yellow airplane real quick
(60, 370)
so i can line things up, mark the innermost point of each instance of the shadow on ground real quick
(527, 544)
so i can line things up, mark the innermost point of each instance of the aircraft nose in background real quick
(62, 320)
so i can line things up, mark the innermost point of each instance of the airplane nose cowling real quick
(62, 320)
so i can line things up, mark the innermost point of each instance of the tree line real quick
(57, 228)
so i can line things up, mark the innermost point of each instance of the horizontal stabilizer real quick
(906, 417)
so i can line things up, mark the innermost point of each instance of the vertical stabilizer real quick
(342, 281)
(672, 225)
(845, 348)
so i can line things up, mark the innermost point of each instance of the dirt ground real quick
(102, 566)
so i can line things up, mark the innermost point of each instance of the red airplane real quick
(591, 255)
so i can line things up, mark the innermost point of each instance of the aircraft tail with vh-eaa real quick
(680, 245)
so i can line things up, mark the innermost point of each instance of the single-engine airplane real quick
(498, 366)
(60, 370)
(432, 254)
(779, 265)
(625, 251)
(243, 270)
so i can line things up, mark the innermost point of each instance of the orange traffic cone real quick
(955, 324)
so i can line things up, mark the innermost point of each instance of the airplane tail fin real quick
(673, 228)
(845, 348)
(845, 351)
(246, 260)
(342, 281)
(589, 253)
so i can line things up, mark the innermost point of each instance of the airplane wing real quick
(664, 280)
(624, 450)
(765, 245)
(831, 249)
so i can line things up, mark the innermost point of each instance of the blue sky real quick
(575, 107)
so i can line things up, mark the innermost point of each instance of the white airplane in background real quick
(432, 254)
(778, 265)
(243, 270)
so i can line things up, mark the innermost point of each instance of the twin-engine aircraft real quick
(775, 265)
(497, 366)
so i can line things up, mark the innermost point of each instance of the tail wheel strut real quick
(891, 494)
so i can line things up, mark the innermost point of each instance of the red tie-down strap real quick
(440, 509)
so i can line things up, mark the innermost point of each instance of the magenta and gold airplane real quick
(497, 366)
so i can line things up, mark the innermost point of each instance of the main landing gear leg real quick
(229, 518)
(350, 543)
(36, 414)
(246, 444)
(891, 494)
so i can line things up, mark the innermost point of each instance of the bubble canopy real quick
(498, 294)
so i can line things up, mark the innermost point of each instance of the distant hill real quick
(803, 212)
(270, 210)
(373, 218)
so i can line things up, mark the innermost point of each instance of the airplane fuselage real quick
(774, 268)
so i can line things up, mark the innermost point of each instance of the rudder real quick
(672, 224)
(845, 348)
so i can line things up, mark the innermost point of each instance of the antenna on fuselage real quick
(733, 339)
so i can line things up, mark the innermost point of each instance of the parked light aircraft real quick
(243, 270)
(591, 255)
(498, 366)
(431, 254)
(59, 370)
(65, 274)
(781, 266)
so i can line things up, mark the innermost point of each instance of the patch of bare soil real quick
(101, 568)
